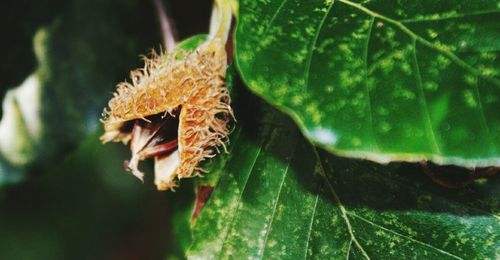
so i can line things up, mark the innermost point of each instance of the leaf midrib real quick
(450, 55)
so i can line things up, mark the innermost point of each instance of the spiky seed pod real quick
(188, 87)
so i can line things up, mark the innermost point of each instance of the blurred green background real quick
(64, 195)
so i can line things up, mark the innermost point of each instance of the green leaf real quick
(380, 80)
(278, 197)
(192, 42)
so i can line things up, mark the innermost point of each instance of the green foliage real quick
(279, 197)
(383, 80)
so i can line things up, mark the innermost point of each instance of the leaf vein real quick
(310, 51)
(450, 55)
(311, 225)
(367, 90)
(348, 255)
(482, 116)
(268, 27)
(442, 18)
(342, 209)
(428, 123)
(403, 236)
(268, 229)
(231, 221)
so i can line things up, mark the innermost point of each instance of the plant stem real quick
(220, 22)
(166, 28)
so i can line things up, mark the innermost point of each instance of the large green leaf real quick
(380, 80)
(278, 197)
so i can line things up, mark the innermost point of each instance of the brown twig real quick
(165, 25)
(454, 177)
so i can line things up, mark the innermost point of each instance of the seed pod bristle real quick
(187, 86)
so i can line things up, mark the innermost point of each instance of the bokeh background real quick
(64, 195)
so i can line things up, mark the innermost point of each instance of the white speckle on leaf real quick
(324, 136)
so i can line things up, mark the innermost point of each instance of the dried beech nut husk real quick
(176, 110)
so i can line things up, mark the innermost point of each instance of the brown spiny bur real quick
(176, 109)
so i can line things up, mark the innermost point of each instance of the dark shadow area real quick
(184, 13)
(89, 207)
(78, 201)
(86, 207)
(20, 20)
(405, 186)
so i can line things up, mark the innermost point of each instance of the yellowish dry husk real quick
(194, 82)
